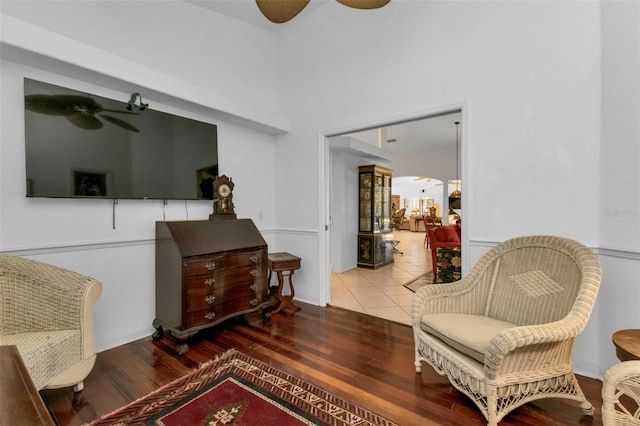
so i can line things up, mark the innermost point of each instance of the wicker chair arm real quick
(76, 289)
(621, 394)
(457, 297)
(510, 351)
(624, 372)
(52, 298)
(94, 290)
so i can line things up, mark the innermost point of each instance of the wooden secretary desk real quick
(207, 272)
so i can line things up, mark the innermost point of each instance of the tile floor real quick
(381, 292)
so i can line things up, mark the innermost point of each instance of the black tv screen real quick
(81, 145)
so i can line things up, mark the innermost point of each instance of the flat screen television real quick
(80, 145)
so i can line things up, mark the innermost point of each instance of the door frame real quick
(324, 181)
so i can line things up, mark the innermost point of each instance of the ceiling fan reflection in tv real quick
(81, 145)
(81, 111)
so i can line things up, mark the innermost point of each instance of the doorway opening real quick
(421, 148)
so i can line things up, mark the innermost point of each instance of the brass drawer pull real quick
(254, 272)
(254, 258)
(210, 315)
(210, 299)
(253, 287)
(210, 281)
(210, 266)
(253, 302)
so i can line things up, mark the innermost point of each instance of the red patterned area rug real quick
(238, 390)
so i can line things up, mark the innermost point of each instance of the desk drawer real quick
(205, 299)
(224, 278)
(210, 264)
(222, 310)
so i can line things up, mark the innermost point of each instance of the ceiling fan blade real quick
(279, 11)
(54, 104)
(62, 104)
(84, 121)
(364, 4)
(120, 123)
(45, 104)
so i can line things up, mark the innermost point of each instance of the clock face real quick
(224, 190)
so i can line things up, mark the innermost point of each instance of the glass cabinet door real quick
(386, 203)
(377, 203)
(374, 248)
(366, 187)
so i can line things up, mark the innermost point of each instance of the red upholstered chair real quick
(443, 236)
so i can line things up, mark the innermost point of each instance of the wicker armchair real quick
(397, 220)
(47, 312)
(621, 394)
(504, 334)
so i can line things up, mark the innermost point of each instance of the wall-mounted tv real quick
(80, 145)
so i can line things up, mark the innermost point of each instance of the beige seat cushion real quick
(469, 334)
(47, 354)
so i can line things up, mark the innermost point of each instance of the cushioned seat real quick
(504, 334)
(47, 312)
(469, 334)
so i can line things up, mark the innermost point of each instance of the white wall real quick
(619, 206)
(344, 212)
(78, 233)
(174, 37)
(434, 162)
(533, 120)
(522, 137)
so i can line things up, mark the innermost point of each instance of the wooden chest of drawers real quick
(207, 272)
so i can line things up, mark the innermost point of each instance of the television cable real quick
(115, 202)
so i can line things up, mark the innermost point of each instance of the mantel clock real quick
(222, 199)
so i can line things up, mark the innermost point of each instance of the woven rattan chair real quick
(621, 395)
(47, 312)
(397, 220)
(504, 334)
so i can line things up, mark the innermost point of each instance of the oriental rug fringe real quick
(240, 390)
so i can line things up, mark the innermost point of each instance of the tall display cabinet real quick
(375, 248)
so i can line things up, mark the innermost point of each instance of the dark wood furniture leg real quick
(285, 299)
(281, 263)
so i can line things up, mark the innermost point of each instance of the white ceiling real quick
(247, 11)
(423, 134)
(436, 132)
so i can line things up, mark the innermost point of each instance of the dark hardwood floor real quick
(361, 358)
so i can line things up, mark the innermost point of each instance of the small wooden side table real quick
(20, 402)
(282, 263)
(627, 343)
